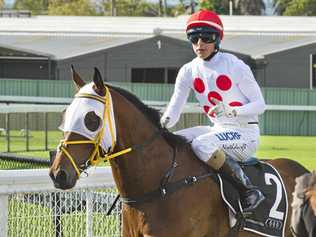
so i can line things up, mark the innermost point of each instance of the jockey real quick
(231, 98)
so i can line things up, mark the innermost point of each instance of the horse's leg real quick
(130, 219)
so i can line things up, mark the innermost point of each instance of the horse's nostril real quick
(51, 175)
(61, 177)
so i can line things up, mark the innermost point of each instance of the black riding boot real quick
(250, 195)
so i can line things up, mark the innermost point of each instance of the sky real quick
(9, 2)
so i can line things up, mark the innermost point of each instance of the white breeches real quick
(239, 143)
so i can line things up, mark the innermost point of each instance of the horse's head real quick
(89, 131)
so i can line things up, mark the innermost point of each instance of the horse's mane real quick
(153, 116)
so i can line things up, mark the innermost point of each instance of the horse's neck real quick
(140, 170)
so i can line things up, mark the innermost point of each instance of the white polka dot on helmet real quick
(206, 18)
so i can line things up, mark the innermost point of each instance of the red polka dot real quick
(206, 109)
(199, 85)
(214, 94)
(212, 114)
(223, 83)
(235, 103)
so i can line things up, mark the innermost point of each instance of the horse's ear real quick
(98, 81)
(76, 79)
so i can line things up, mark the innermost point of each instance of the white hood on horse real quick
(74, 121)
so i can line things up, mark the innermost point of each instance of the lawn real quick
(299, 148)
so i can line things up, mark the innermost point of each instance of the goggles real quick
(206, 37)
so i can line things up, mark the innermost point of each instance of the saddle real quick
(269, 219)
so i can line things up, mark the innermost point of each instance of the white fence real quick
(62, 103)
(31, 206)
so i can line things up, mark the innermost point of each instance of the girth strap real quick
(168, 189)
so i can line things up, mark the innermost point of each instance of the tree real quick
(241, 7)
(301, 8)
(35, 6)
(178, 9)
(281, 5)
(71, 8)
(2, 4)
(250, 7)
(133, 8)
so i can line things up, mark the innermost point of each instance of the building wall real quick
(147, 54)
(289, 68)
(84, 65)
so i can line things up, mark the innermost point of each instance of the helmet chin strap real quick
(211, 55)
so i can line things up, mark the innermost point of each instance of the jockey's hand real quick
(164, 122)
(221, 109)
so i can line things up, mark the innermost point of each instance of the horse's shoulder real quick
(188, 158)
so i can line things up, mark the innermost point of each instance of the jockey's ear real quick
(98, 81)
(76, 79)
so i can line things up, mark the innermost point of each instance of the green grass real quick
(29, 215)
(299, 148)
(36, 141)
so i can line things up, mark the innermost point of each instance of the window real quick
(154, 75)
(148, 75)
(172, 75)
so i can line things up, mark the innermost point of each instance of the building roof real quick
(258, 45)
(63, 37)
(132, 25)
(61, 47)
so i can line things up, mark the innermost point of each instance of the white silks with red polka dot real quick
(228, 80)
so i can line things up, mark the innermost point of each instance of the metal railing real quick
(31, 206)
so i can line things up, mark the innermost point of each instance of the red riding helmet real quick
(206, 18)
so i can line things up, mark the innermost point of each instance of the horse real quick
(303, 220)
(148, 157)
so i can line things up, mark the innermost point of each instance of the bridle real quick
(98, 154)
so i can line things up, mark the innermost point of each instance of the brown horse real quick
(156, 157)
(303, 219)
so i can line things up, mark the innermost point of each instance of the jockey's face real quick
(202, 49)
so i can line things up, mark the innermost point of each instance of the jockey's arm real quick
(179, 98)
(251, 90)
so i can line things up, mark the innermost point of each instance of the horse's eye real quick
(92, 121)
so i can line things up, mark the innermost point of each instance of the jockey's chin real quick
(202, 53)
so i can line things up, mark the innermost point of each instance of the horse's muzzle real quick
(61, 179)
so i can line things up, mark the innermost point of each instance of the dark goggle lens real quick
(206, 38)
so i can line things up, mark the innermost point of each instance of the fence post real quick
(4, 207)
(27, 131)
(89, 216)
(7, 122)
(58, 214)
(46, 130)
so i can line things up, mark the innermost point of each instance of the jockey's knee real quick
(217, 159)
(212, 156)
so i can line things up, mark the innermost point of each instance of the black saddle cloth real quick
(269, 219)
